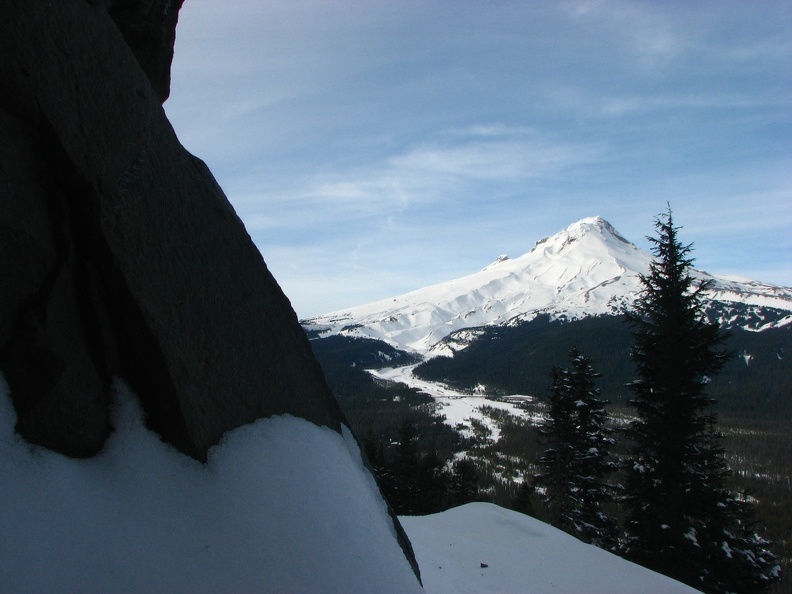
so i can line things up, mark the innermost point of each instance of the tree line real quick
(757, 382)
(680, 518)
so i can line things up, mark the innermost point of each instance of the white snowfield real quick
(281, 506)
(586, 269)
(456, 407)
(480, 547)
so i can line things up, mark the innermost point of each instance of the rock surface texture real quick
(119, 253)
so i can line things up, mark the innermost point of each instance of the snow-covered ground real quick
(282, 505)
(480, 547)
(456, 406)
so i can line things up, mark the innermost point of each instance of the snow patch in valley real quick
(457, 407)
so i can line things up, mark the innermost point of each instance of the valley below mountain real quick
(501, 330)
(468, 363)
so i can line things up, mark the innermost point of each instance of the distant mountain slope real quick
(587, 269)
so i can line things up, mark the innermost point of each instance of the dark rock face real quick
(119, 253)
(149, 28)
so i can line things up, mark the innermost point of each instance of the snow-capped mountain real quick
(584, 270)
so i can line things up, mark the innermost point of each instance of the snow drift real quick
(480, 547)
(282, 505)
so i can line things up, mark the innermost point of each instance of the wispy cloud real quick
(448, 169)
(492, 159)
(646, 28)
(374, 147)
(631, 104)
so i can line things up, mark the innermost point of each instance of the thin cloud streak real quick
(425, 174)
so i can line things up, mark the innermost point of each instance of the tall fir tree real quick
(400, 476)
(414, 483)
(555, 476)
(464, 482)
(592, 463)
(681, 520)
(576, 463)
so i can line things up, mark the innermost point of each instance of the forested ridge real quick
(756, 381)
(757, 444)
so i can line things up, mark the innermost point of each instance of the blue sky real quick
(373, 147)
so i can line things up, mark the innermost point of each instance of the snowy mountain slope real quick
(586, 269)
(480, 547)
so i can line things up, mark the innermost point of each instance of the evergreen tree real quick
(522, 500)
(681, 521)
(431, 484)
(592, 461)
(576, 461)
(374, 451)
(555, 477)
(414, 483)
(399, 476)
(464, 483)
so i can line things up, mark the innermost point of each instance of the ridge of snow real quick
(498, 260)
(480, 547)
(587, 269)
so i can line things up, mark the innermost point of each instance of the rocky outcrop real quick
(119, 252)
(149, 29)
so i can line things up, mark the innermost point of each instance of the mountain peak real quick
(589, 228)
(586, 269)
(595, 224)
(498, 260)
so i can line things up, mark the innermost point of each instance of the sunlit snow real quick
(480, 547)
(586, 269)
(457, 407)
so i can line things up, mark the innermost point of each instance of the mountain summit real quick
(587, 269)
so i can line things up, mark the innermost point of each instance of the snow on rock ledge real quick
(282, 505)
